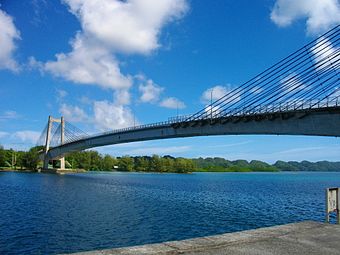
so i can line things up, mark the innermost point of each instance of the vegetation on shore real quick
(93, 161)
(19, 160)
(222, 165)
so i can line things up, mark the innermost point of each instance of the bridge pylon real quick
(48, 141)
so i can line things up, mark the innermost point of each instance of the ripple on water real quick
(50, 214)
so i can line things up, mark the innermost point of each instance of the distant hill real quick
(307, 166)
(223, 165)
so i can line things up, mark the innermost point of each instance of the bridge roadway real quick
(313, 122)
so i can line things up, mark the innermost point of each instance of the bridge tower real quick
(48, 140)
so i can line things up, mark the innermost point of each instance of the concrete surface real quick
(298, 238)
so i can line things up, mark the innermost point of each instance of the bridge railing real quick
(273, 108)
(236, 112)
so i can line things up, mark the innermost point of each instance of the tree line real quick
(218, 164)
(94, 161)
(20, 159)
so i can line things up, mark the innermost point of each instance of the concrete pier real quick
(298, 238)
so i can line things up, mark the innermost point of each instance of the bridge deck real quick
(299, 238)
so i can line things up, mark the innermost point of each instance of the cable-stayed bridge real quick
(300, 95)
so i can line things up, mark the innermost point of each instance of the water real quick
(49, 214)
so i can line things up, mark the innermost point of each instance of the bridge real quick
(299, 95)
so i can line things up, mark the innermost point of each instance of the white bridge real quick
(300, 95)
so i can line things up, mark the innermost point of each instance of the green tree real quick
(156, 164)
(142, 164)
(108, 163)
(126, 163)
(2, 156)
(31, 159)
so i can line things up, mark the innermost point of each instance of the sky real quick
(109, 64)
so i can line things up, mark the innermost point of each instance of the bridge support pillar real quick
(45, 163)
(62, 140)
(47, 143)
(48, 140)
(62, 164)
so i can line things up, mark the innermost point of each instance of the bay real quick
(50, 214)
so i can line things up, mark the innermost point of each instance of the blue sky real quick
(106, 64)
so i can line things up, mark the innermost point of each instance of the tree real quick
(108, 163)
(30, 159)
(155, 164)
(142, 164)
(126, 163)
(2, 156)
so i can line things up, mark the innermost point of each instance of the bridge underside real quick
(315, 122)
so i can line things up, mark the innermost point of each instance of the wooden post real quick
(338, 206)
(332, 203)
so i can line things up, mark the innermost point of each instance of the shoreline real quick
(75, 171)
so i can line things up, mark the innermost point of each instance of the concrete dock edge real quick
(298, 238)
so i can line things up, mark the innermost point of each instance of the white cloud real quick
(104, 115)
(73, 113)
(321, 15)
(9, 115)
(172, 103)
(150, 92)
(110, 27)
(110, 116)
(35, 64)
(122, 97)
(256, 90)
(131, 26)
(212, 111)
(325, 54)
(3, 134)
(61, 94)
(27, 136)
(89, 64)
(292, 83)
(8, 35)
(85, 100)
(217, 92)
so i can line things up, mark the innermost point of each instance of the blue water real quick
(49, 214)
